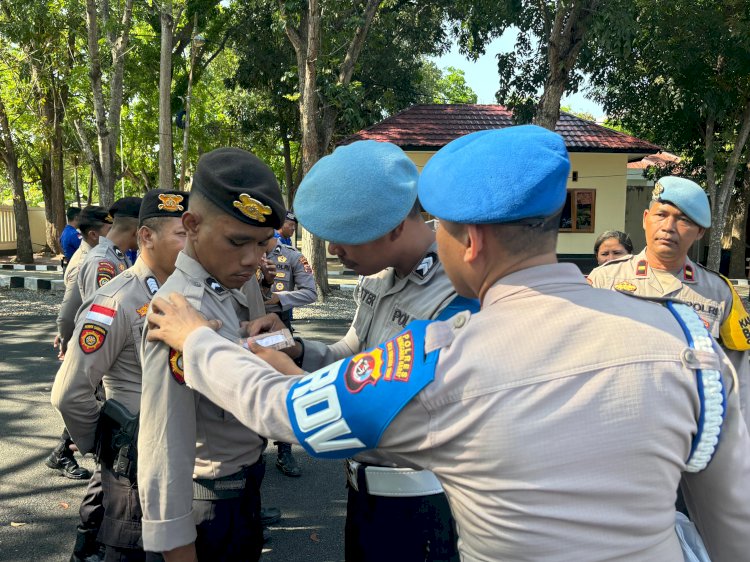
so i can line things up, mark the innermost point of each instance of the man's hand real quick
(268, 269)
(60, 346)
(174, 319)
(185, 553)
(273, 299)
(277, 359)
(268, 323)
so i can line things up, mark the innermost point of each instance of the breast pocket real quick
(399, 316)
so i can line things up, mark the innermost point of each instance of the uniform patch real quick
(280, 275)
(279, 286)
(688, 274)
(170, 202)
(305, 264)
(119, 253)
(143, 310)
(121, 267)
(215, 286)
(92, 337)
(641, 270)
(370, 367)
(625, 286)
(427, 264)
(252, 208)
(152, 284)
(101, 314)
(175, 366)
(282, 259)
(104, 273)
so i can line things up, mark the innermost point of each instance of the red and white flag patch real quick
(101, 314)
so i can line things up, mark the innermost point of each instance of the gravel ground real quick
(16, 303)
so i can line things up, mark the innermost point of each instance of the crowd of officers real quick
(490, 404)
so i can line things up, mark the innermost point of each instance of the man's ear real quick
(191, 221)
(701, 232)
(474, 242)
(145, 237)
(397, 232)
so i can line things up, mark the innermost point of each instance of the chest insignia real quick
(143, 310)
(152, 284)
(688, 274)
(121, 266)
(170, 202)
(426, 265)
(215, 286)
(279, 286)
(641, 269)
(625, 286)
(252, 208)
(92, 338)
(282, 259)
(175, 366)
(280, 275)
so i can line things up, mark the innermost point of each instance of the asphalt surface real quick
(39, 508)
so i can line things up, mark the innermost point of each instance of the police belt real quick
(391, 482)
(228, 487)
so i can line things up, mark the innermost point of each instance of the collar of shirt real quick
(426, 266)
(534, 278)
(687, 274)
(194, 270)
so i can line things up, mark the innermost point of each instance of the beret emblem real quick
(109, 218)
(170, 202)
(658, 189)
(252, 208)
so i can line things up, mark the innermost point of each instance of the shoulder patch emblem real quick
(305, 264)
(252, 208)
(170, 202)
(152, 284)
(104, 273)
(175, 366)
(119, 253)
(101, 314)
(369, 367)
(143, 310)
(427, 264)
(215, 286)
(625, 286)
(92, 338)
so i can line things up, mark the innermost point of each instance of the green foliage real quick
(449, 87)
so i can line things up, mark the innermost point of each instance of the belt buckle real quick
(352, 468)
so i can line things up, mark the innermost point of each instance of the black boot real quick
(86, 548)
(61, 459)
(285, 461)
(269, 515)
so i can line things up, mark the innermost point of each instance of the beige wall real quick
(37, 223)
(606, 173)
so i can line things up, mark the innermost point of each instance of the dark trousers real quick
(229, 530)
(92, 510)
(419, 529)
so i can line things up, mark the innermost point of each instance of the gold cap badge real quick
(658, 189)
(252, 208)
(170, 202)
(109, 219)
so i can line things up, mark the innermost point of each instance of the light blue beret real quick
(687, 196)
(357, 194)
(497, 176)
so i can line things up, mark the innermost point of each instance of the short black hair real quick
(72, 213)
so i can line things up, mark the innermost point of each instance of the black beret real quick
(163, 203)
(93, 216)
(126, 207)
(241, 185)
(290, 216)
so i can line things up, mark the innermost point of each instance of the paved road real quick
(39, 508)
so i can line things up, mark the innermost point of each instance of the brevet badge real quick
(252, 208)
(170, 202)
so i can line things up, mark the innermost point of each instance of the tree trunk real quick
(90, 195)
(737, 265)
(166, 157)
(24, 250)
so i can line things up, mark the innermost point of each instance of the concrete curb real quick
(31, 283)
(22, 267)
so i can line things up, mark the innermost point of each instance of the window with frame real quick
(578, 212)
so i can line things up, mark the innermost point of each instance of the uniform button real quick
(459, 321)
(196, 284)
(689, 359)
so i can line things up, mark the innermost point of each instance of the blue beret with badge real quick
(686, 195)
(497, 176)
(357, 194)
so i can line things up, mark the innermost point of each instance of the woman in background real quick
(612, 244)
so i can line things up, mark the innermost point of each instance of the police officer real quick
(70, 238)
(377, 230)
(290, 284)
(107, 349)
(678, 216)
(551, 442)
(199, 469)
(286, 232)
(108, 258)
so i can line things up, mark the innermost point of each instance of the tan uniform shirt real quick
(106, 347)
(66, 317)
(559, 436)
(103, 262)
(707, 292)
(183, 435)
(294, 283)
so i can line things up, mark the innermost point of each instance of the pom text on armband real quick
(318, 412)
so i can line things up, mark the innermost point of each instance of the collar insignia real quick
(143, 310)
(688, 274)
(641, 270)
(170, 202)
(252, 208)
(119, 253)
(625, 286)
(426, 265)
(215, 286)
(152, 284)
(658, 190)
